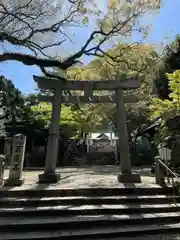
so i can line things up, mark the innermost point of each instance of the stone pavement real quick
(85, 177)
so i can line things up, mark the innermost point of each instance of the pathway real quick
(85, 177)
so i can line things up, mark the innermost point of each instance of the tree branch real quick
(21, 36)
(31, 60)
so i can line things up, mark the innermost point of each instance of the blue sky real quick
(165, 27)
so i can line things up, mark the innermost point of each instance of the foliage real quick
(16, 105)
(126, 60)
(170, 62)
(42, 112)
(167, 109)
(78, 121)
(135, 62)
(137, 115)
(12, 100)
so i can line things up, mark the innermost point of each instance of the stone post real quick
(50, 175)
(159, 172)
(17, 161)
(111, 135)
(90, 139)
(87, 143)
(126, 174)
(2, 165)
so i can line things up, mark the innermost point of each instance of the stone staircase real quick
(88, 213)
(101, 158)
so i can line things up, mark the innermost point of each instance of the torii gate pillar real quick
(50, 175)
(125, 175)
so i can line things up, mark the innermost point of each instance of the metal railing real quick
(69, 151)
(162, 162)
(67, 154)
(163, 173)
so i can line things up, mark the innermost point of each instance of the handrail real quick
(67, 154)
(160, 176)
(169, 170)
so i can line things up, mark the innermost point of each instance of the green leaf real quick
(85, 20)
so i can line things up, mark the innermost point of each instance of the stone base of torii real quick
(125, 174)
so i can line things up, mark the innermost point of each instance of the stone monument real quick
(17, 161)
(2, 165)
(8, 149)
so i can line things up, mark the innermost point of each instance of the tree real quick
(12, 100)
(79, 121)
(16, 105)
(42, 113)
(135, 62)
(129, 61)
(170, 62)
(39, 27)
(168, 109)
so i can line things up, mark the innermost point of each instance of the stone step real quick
(158, 236)
(128, 189)
(18, 224)
(65, 210)
(49, 201)
(104, 233)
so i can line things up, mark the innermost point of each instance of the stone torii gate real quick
(50, 175)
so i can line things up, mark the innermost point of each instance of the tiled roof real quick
(98, 135)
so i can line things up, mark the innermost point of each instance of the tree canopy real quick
(16, 106)
(37, 28)
(79, 121)
(136, 61)
(168, 109)
(13, 99)
(170, 62)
